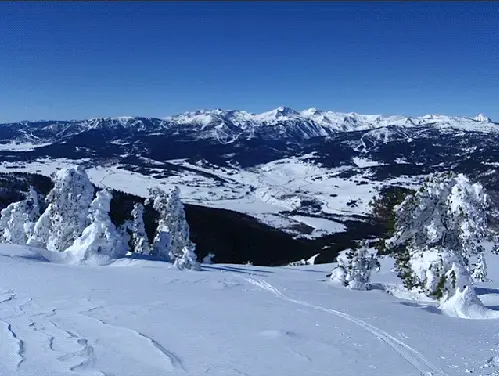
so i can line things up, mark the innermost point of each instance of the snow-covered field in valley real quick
(143, 317)
(266, 192)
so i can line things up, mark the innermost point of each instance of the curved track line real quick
(412, 356)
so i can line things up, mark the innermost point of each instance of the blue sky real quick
(77, 60)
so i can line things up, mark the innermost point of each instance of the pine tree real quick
(139, 237)
(65, 217)
(100, 237)
(437, 230)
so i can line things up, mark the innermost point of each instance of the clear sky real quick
(77, 60)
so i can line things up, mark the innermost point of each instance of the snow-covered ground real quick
(321, 226)
(266, 192)
(21, 146)
(142, 317)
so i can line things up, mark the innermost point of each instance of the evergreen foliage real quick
(437, 230)
(355, 267)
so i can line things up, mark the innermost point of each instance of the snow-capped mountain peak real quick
(481, 118)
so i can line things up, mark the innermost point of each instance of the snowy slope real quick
(139, 317)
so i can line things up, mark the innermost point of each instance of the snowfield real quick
(144, 317)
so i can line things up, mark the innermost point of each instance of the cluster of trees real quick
(435, 236)
(74, 218)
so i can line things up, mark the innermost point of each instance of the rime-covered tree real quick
(182, 248)
(100, 237)
(495, 247)
(18, 219)
(65, 217)
(437, 230)
(354, 268)
(382, 211)
(480, 269)
(172, 235)
(125, 231)
(139, 236)
(161, 245)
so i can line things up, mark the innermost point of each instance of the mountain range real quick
(230, 126)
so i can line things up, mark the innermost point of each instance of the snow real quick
(481, 118)
(466, 305)
(362, 162)
(226, 320)
(263, 192)
(21, 146)
(321, 225)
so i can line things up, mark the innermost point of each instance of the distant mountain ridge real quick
(228, 126)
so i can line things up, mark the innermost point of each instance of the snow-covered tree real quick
(208, 259)
(354, 268)
(18, 219)
(100, 237)
(65, 217)
(188, 259)
(300, 262)
(480, 269)
(139, 236)
(172, 239)
(161, 245)
(495, 247)
(125, 231)
(437, 230)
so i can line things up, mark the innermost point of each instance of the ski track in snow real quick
(69, 340)
(412, 356)
(11, 347)
(171, 358)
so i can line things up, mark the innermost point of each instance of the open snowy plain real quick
(146, 318)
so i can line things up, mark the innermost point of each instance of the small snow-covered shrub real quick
(301, 262)
(480, 269)
(188, 260)
(208, 259)
(354, 268)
